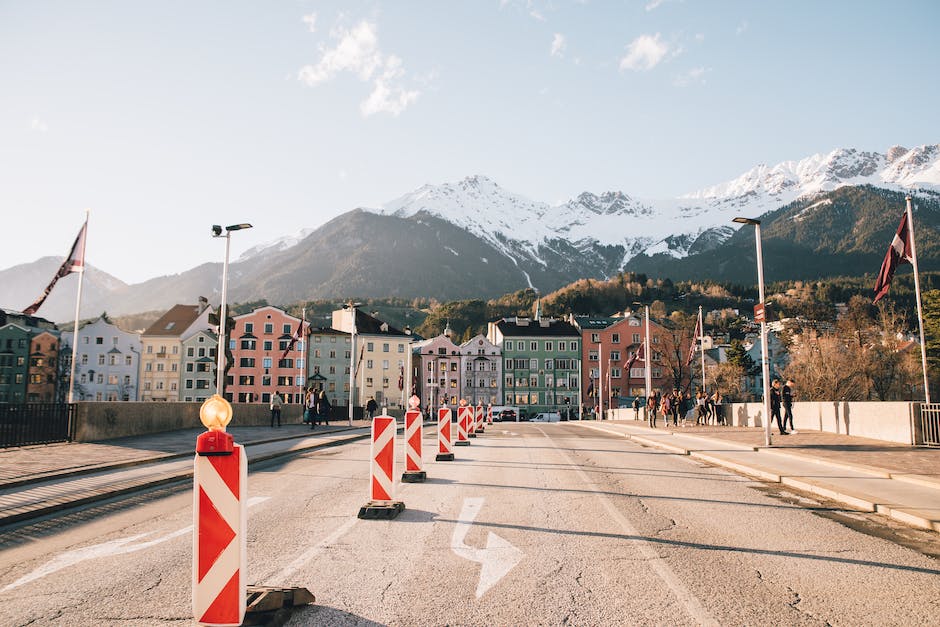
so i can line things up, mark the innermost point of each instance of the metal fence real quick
(930, 423)
(35, 423)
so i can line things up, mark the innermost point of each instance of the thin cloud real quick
(695, 75)
(357, 51)
(38, 125)
(653, 4)
(742, 28)
(559, 45)
(644, 53)
(311, 21)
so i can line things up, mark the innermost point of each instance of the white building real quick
(482, 367)
(108, 362)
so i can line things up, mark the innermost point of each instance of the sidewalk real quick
(893, 479)
(42, 479)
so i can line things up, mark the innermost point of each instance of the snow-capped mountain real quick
(522, 227)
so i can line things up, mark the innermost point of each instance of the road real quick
(533, 524)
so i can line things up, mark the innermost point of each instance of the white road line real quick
(691, 603)
(106, 549)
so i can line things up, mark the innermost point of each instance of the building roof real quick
(369, 325)
(526, 327)
(325, 331)
(175, 321)
(593, 323)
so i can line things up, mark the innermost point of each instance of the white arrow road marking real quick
(497, 559)
(105, 549)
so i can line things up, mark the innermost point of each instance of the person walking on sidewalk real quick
(371, 406)
(636, 407)
(323, 408)
(775, 406)
(788, 405)
(651, 409)
(276, 403)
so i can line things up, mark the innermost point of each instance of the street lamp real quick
(220, 366)
(351, 306)
(765, 363)
(647, 359)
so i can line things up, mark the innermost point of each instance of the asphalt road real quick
(533, 524)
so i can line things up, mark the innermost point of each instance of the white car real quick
(546, 417)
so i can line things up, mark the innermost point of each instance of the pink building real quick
(258, 342)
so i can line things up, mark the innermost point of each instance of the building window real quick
(286, 328)
(268, 345)
(636, 338)
(562, 346)
(268, 328)
(369, 346)
(615, 355)
(592, 355)
(368, 382)
(249, 327)
(100, 360)
(401, 348)
(533, 346)
(507, 345)
(385, 347)
(266, 362)
(549, 364)
(128, 360)
(549, 346)
(595, 337)
(615, 338)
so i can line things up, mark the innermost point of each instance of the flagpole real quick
(920, 314)
(648, 356)
(78, 304)
(303, 353)
(701, 337)
(600, 381)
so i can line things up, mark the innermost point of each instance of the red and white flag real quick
(696, 335)
(296, 337)
(638, 355)
(75, 262)
(900, 251)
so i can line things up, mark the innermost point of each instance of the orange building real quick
(258, 342)
(43, 367)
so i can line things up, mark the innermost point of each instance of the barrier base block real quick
(414, 476)
(481, 430)
(384, 510)
(444, 457)
(472, 435)
(462, 443)
(271, 605)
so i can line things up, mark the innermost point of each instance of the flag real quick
(590, 390)
(695, 336)
(633, 359)
(401, 378)
(75, 262)
(900, 251)
(296, 337)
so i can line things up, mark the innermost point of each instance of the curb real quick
(85, 470)
(177, 477)
(862, 502)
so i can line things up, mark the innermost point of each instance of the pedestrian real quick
(276, 403)
(676, 405)
(719, 409)
(710, 416)
(323, 407)
(775, 406)
(651, 409)
(371, 406)
(699, 407)
(788, 405)
(665, 408)
(636, 407)
(309, 406)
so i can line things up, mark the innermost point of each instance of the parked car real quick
(546, 417)
(507, 415)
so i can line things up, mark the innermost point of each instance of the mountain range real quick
(825, 215)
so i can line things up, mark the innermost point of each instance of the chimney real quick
(203, 304)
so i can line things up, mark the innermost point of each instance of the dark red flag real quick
(75, 262)
(900, 251)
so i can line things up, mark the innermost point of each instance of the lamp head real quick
(216, 230)
(238, 227)
(215, 413)
(751, 221)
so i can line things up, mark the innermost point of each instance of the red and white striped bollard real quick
(414, 431)
(445, 450)
(381, 475)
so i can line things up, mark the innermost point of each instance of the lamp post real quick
(351, 306)
(765, 363)
(220, 365)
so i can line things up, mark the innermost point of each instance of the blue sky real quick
(166, 117)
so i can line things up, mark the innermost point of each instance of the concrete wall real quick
(106, 421)
(887, 421)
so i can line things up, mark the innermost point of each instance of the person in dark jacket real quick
(788, 405)
(323, 407)
(371, 406)
(775, 405)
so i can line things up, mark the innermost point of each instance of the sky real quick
(165, 117)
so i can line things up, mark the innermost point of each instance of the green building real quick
(541, 363)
